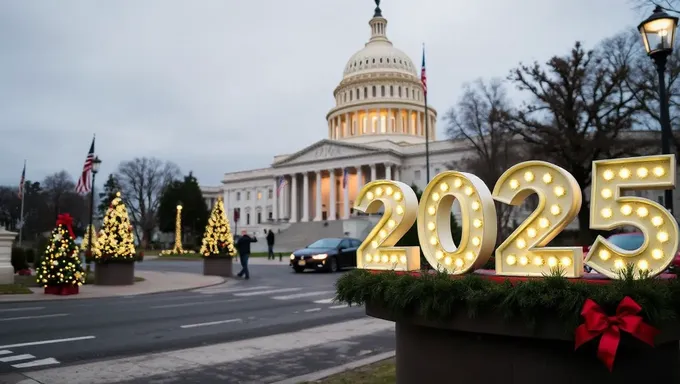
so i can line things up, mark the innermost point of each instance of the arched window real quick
(399, 91)
(357, 93)
(351, 95)
(391, 90)
(407, 93)
(365, 92)
(382, 91)
(374, 91)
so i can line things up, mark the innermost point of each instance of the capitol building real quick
(376, 130)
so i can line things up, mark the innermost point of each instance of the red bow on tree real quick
(67, 221)
(597, 323)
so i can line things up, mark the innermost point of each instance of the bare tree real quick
(56, 187)
(648, 5)
(481, 119)
(580, 108)
(142, 181)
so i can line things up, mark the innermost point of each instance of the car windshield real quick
(325, 243)
(628, 242)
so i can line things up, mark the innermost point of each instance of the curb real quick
(57, 298)
(315, 376)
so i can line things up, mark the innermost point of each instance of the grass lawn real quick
(382, 372)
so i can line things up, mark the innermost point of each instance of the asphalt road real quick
(37, 335)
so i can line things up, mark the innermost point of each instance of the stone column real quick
(360, 180)
(373, 173)
(345, 197)
(397, 174)
(6, 268)
(305, 196)
(275, 200)
(293, 199)
(317, 201)
(388, 171)
(348, 126)
(332, 201)
(419, 125)
(368, 123)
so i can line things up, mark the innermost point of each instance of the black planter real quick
(114, 273)
(218, 266)
(489, 349)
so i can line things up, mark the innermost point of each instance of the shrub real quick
(18, 259)
(30, 255)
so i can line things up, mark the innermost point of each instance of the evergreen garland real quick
(439, 296)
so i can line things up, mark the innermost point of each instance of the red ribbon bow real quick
(596, 323)
(67, 221)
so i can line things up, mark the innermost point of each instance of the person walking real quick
(243, 247)
(270, 244)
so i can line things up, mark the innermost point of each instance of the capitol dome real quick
(380, 96)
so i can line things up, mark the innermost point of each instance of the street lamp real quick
(658, 35)
(95, 168)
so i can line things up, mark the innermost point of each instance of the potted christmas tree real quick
(60, 271)
(115, 261)
(217, 248)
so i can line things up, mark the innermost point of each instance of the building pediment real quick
(326, 150)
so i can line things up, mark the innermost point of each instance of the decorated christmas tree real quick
(60, 271)
(217, 239)
(91, 233)
(116, 242)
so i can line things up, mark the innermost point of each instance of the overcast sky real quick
(224, 85)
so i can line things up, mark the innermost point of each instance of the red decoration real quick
(62, 290)
(597, 323)
(67, 221)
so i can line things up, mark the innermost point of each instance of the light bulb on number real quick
(606, 193)
(626, 209)
(523, 260)
(402, 259)
(619, 264)
(477, 223)
(657, 254)
(433, 240)
(457, 183)
(400, 210)
(531, 232)
(547, 178)
(384, 258)
(431, 210)
(642, 212)
(555, 209)
(604, 254)
(397, 196)
(662, 236)
(459, 263)
(382, 233)
(469, 191)
(528, 176)
(389, 191)
(514, 184)
(657, 221)
(511, 260)
(435, 196)
(606, 213)
(642, 172)
(659, 171)
(470, 256)
(643, 265)
(431, 226)
(538, 260)
(543, 222)
(552, 261)
(447, 261)
(374, 244)
(391, 223)
(565, 261)
(475, 205)
(476, 241)
(444, 187)
(608, 175)
(439, 254)
(521, 243)
(369, 195)
(624, 173)
(559, 191)
(378, 191)
(393, 259)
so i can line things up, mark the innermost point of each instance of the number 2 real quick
(608, 210)
(524, 252)
(400, 204)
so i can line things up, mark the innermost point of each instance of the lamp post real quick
(95, 168)
(658, 35)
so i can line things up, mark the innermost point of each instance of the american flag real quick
(282, 183)
(22, 182)
(423, 74)
(345, 176)
(85, 181)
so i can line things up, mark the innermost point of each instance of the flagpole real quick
(21, 213)
(427, 127)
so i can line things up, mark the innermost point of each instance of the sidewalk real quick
(154, 282)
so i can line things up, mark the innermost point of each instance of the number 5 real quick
(609, 210)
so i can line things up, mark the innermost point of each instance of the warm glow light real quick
(531, 232)
(657, 221)
(476, 241)
(619, 264)
(552, 262)
(457, 183)
(528, 176)
(468, 191)
(459, 263)
(511, 260)
(439, 254)
(433, 240)
(514, 184)
(403, 259)
(431, 210)
(559, 191)
(547, 178)
(642, 172)
(606, 193)
(624, 173)
(431, 226)
(659, 171)
(642, 212)
(626, 209)
(543, 222)
(368, 258)
(374, 244)
(397, 196)
(565, 261)
(555, 209)
(447, 261)
(477, 223)
(538, 261)
(390, 223)
(470, 256)
(604, 254)
(643, 265)
(383, 233)
(657, 254)
(521, 243)
(399, 210)
(608, 175)
(435, 196)
(378, 191)
(444, 187)
(369, 195)
(523, 260)
(393, 258)
(606, 213)
(662, 236)
(383, 258)
(475, 206)
(389, 191)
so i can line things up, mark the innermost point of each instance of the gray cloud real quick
(224, 85)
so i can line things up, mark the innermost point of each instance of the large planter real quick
(489, 349)
(114, 273)
(218, 266)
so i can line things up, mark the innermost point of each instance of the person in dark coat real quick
(243, 247)
(270, 244)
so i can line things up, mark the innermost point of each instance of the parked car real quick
(630, 242)
(331, 254)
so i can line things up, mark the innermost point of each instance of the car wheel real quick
(333, 265)
(298, 269)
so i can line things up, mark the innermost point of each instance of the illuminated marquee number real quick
(609, 210)
(478, 222)
(524, 252)
(400, 204)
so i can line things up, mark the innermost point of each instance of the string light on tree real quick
(91, 233)
(116, 241)
(60, 266)
(218, 239)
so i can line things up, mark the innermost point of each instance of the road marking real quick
(299, 295)
(267, 292)
(339, 306)
(5, 352)
(324, 301)
(210, 323)
(195, 303)
(230, 289)
(15, 358)
(313, 310)
(21, 309)
(53, 341)
(33, 317)
(37, 363)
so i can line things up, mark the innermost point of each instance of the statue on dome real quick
(378, 12)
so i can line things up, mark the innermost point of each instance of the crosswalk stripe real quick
(5, 352)
(230, 289)
(37, 363)
(324, 301)
(16, 358)
(267, 292)
(300, 295)
(339, 306)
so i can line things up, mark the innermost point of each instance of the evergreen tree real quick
(194, 208)
(60, 265)
(116, 241)
(96, 252)
(218, 239)
(106, 197)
